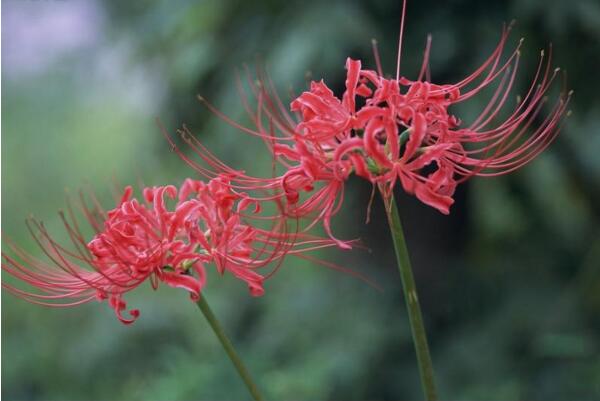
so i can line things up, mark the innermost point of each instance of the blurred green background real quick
(509, 282)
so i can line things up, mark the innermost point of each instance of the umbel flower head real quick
(395, 131)
(138, 241)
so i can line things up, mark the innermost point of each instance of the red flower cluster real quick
(148, 240)
(393, 130)
(387, 131)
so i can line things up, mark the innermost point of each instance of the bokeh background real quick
(509, 282)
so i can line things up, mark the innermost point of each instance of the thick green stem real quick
(412, 301)
(237, 362)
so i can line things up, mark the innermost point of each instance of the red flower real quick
(406, 132)
(139, 241)
(389, 131)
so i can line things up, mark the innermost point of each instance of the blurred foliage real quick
(509, 282)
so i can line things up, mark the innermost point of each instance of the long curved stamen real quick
(400, 40)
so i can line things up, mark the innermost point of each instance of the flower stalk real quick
(229, 349)
(415, 317)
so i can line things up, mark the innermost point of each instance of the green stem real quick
(237, 362)
(412, 301)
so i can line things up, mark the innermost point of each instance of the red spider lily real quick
(400, 132)
(148, 240)
(403, 132)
